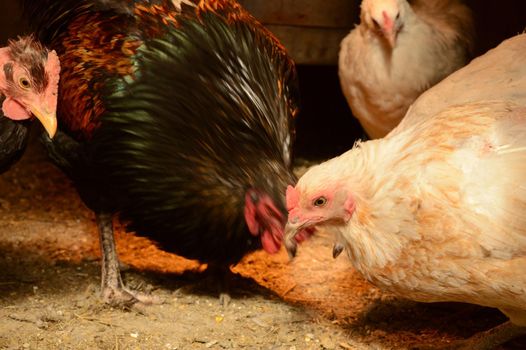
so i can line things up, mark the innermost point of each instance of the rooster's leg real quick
(112, 288)
(223, 276)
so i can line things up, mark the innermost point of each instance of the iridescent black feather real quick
(207, 118)
(51, 18)
(13, 140)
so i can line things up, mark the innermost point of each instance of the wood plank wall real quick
(310, 29)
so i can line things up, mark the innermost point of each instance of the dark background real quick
(325, 126)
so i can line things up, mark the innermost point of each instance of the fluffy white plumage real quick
(435, 211)
(399, 50)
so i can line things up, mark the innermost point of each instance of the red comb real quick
(293, 198)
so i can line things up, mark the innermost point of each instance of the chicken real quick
(178, 116)
(29, 76)
(435, 210)
(400, 49)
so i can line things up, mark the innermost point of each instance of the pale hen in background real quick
(399, 50)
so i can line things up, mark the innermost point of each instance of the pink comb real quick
(293, 198)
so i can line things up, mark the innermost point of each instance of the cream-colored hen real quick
(397, 52)
(436, 211)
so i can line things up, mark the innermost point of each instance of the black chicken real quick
(178, 117)
(29, 76)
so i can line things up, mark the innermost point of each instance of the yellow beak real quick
(291, 229)
(48, 120)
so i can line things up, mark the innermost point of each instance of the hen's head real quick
(318, 198)
(29, 76)
(385, 17)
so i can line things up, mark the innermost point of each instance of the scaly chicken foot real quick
(487, 340)
(491, 338)
(113, 290)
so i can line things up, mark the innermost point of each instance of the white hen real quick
(399, 50)
(436, 211)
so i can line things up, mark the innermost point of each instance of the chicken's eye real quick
(320, 202)
(24, 83)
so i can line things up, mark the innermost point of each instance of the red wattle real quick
(269, 243)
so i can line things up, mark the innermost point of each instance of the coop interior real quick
(50, 255)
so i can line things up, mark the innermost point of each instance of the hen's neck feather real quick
(382, 204)
(439, 206)
(415, 189)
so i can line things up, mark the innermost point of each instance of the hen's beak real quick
(297, 230)
(291, 230)
(48, 119)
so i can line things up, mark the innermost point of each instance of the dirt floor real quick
(49, 285)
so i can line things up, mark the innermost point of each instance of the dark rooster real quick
(29, 76)
(177, 115)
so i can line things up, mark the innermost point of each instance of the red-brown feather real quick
(96, 41)
(91, 47)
